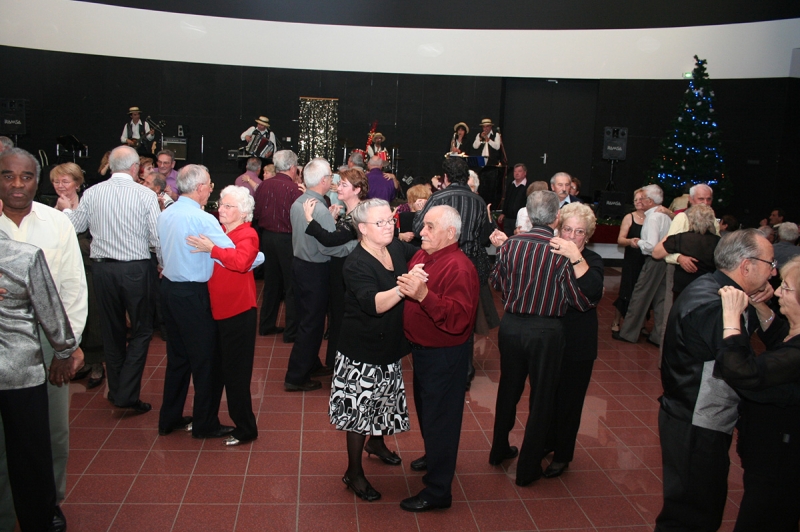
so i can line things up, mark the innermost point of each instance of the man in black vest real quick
(516, 198)
(487, 144)
(137, 134)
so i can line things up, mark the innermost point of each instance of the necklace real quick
(380, 254)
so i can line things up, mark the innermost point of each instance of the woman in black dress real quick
(367, 393)
(629, 233)
(580, 351)
(769, 412)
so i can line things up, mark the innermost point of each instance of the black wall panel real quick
(88, 96)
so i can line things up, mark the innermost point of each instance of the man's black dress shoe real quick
(497, 459)
(555, 469)
(59, 523)
(322, 371)
(181, 424)
(416, 504)
(369, 493)
(139, 407)
(94, 383)
(223, 430)
(651, 342)
(271, 331)
(420, 464)
(288, 340)
(307, 386)
(386, 456)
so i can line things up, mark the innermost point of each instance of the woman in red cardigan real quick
(233, 303)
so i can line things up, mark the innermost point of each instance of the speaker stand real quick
(611, 186)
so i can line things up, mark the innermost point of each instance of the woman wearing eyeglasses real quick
(769, 412)
(367, 393)
(580, 351)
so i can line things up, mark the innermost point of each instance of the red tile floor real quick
(123, 476)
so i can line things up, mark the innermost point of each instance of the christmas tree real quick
(691, 152)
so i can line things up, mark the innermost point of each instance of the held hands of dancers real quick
(412, 284)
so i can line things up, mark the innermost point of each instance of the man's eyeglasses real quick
(383, 223)
(772, 264)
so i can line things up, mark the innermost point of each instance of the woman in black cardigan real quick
(367, 393)
(576, 228)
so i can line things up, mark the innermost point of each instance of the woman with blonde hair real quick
(67, 180)
(632, 262)
(580, 331)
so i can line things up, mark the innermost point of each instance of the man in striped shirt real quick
(537, 286)
(122, 216)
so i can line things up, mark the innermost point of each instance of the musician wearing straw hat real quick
(136, 133)
(458, 144)
(376, 148)
(487, 143)
(261, 141)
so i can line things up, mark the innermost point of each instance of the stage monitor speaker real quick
(612, 204)
(12, 117)
(177, 145)
(615, 143)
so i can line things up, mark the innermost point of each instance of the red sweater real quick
(446, 316)
(232, 288)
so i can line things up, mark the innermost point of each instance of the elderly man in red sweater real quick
(438, 319)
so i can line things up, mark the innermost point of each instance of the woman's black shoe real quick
(369, 493)
(386, 456)
(82, 373)
(94, 383)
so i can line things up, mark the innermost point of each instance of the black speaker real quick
(612, 204)
(12, 117)
(615, 143)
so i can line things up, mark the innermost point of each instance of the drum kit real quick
(391, 159)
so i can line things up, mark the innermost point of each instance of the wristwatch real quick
(577, 261)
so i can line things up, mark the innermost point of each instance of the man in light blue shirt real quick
(191, 331)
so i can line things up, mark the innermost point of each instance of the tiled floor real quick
(123, 476)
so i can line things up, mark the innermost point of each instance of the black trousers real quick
(695, 463)
(769, 446)
(30, 461)
(509, 224)
(440, 379)
(530, 347)
(336, 310)
(191, 354)
(124, 287)
(490, 185)
(237, 346)
(311, 296)
(278, 257)
(573, 381)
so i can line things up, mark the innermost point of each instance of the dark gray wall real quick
(88, 96)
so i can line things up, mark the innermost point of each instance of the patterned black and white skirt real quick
(368, 399)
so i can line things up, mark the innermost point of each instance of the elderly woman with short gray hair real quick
(367, 393)
(232, 290)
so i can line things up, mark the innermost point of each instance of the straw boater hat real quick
(486, 122)
(263, 120)
(134, 110)
(377, 136)
(461, 124)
